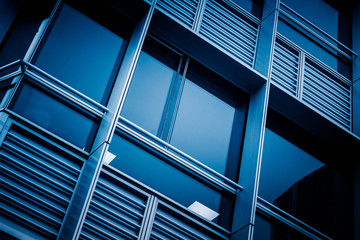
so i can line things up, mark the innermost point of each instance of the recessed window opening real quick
(188, 106)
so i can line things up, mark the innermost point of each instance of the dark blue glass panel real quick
(81, 53)
(318, 12)
(146, 98)
(54, 116)
(304, 186)
(163, 177)
(283, 165)
(203, 126)
(266, 230)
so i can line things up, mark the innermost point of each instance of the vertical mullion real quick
(162, 132)
(43, 29)
(80, 202)
(148, 220)
(175, 104)
(199, 15)
(300, 78)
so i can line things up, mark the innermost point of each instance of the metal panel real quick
(230, 31)
(182, 10)
(116, 211)
(285, 68)
(37, 182)
(324, 92)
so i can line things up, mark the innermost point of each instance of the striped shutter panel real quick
(229, 31)
(37, 182)
(328, 93)
(115, 212)
(183, 11)
(285, 68)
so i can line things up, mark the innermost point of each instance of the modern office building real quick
(180, 119)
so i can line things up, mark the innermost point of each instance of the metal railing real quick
(123, 209)
(305, 77)
(223, 23)
(38, 179)
(312, 30)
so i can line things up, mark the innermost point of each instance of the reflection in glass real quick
(164, 178)
(81, 53)
(54, 116)
(303, 186)
(147, 94)
(203, 126)
(266, 230)
(282, 166)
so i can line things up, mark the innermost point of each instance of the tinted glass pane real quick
(203, 126)
(318, 12)
(146, 98)
(164, 178)
(81, 53)
(303, 186)
(265, 230)
(54, 116)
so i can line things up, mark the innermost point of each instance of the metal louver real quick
(229, 31)
(285, 69)
(37, 182)
(182, 10)
(325, 93)
(115, 212)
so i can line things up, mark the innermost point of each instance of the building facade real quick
(169, 119)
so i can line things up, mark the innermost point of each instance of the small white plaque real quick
(109, 157)
(203, 211)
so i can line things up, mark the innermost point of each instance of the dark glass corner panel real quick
(167, 179)
(55, 116)
(296, 181)
(81, 53)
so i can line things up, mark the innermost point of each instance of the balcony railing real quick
(224, 23)
(305, 77)
(123, 209)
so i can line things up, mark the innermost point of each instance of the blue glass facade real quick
(164, 119)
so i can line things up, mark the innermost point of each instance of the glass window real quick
(318, 12)
(196, 113)
(167, 179)
(54, 116)
(300, 175)
(203, 126)
(148, 92)
(81, 53)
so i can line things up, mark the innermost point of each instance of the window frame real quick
(217, 86)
